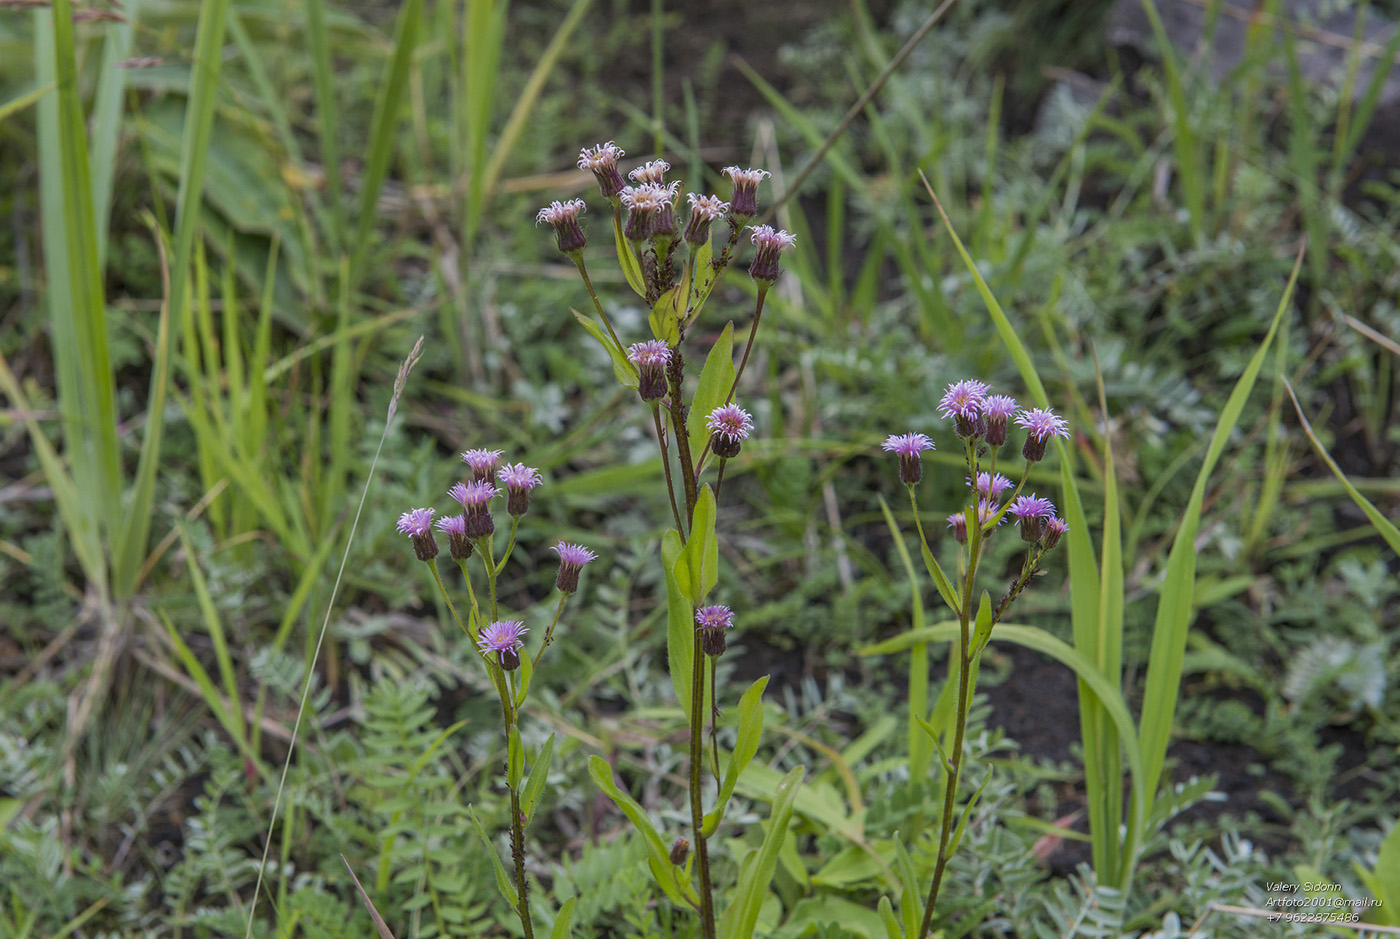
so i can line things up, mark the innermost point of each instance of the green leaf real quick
(982, 631)
(515, 758)
(1387, 529)
(702, 548)
(742, 915)
(887, 917)
(680, 620)
(1173, 622)
(660, 856)
(539, 775)
(715, 381)
(1388, 874)
(917, 688)
(911, 904)
(563, 921)
(502, 881)
(745, 746)
(626, 259)
(622, 368)
(665, 317)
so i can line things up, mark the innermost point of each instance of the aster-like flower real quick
(483, 463)
(417, 524)
(518, 479)
(455, 528)
(964, 402)
(908, 447)
(502, 639)
(730, 425)
(1041, 425)
(710, 623)
(958, 523)
(568, 234)
(572, 557)
(998, 410)
(1055, 529)
(743, 204)
(602, 161)
(650, 211)
(991, 486)
(650, 358)
(1031, 511)
(768, 247)
(475, 498)
(704, 210)
(987, 512)
(650, 174)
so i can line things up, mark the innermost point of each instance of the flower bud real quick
(572, 557)
(710, 623)
(475, 498)
(704, 210)
(743, 204)
(958, 523)
(998, 410)
(768, 247)
(568, 234)
(455, 528)
(908, 447)
(680, 851)
(650, 359)
(1030, 511)
(1041, 426)
(602, 161)
(417, 524)
(519, 479)
(1055, 529)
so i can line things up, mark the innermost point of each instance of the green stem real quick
(666, 465)
(748, 347)
(697, 813)
(510, 545)
(437, 578)
(549, 633)
(675, 376)
(583, 272)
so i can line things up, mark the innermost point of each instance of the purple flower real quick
(958, 522)
(503, 638)
(455, 528)
(563, 216)
(704, 210)
(908, 447)
(482, 462)
(602, 161)
(729, 427)
(986, 512)
(475, 498)
(650, 211)
(768, 246)
(650, 359)
(650, 174)
(572, 557)
(1041, 425)
(1030, 511)
(964, 402)
(998, 410)
(744, 202)
(1055, 529)
(417, 524)
(991, 487)
(710, 623)
(519, 479)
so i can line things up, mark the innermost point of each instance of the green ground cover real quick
(229, 223)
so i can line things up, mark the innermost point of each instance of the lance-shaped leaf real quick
(750, 735)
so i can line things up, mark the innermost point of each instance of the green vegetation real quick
(232, 702)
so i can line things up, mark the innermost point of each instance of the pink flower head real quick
(958, 523)
(998, 410)
(730, 426)
(650, 210)
(963, 402)
(1030, 511)
(563, 216)
(908, 447)
(1041, 425)
(768, 246)
(991, 487)
(518, 479)
(475, 498)
(602, 162)
(710, 623)
(744, 202)
(650, 174)
(503, 640)
(650, 359)
(482, 462)
(1055, 529)
(704, 210)
(455, 528)
(417, 524)
(572, 557)
(987, 513)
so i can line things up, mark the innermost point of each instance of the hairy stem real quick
(583, 272)
(748, 347)
(666, 465)
(697, 812)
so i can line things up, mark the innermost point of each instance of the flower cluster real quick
(981, 419)
(471, 529)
